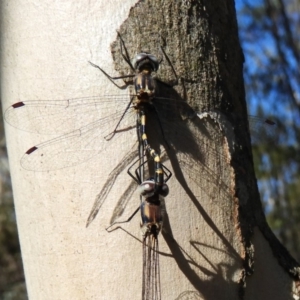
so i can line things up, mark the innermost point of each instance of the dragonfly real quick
(151, 224)
(152, 211)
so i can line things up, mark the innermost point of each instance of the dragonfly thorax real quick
(151, 222)
(144, 85)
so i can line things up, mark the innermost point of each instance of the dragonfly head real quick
(149, 188)
(145, 61)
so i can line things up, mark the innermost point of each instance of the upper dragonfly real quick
(84, 122)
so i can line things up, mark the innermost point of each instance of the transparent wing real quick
(73, 148)
(196, 147)
(63, 116)
(151, 288)
(85, 122)
(262, 129)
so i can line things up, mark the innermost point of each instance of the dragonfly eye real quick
(164, 190)
(143, 59)
(147, 187)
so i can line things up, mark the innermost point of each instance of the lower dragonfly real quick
(151, 225)
(152, 192)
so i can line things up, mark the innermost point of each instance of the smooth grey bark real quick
(45, 48)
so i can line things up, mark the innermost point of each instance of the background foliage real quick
(269, 33)
(12, 282)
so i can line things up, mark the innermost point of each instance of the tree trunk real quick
(215, 242)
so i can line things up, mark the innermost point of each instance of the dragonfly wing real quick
(63, 116)
(194, 146)
(262, 130)
(77, 146)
